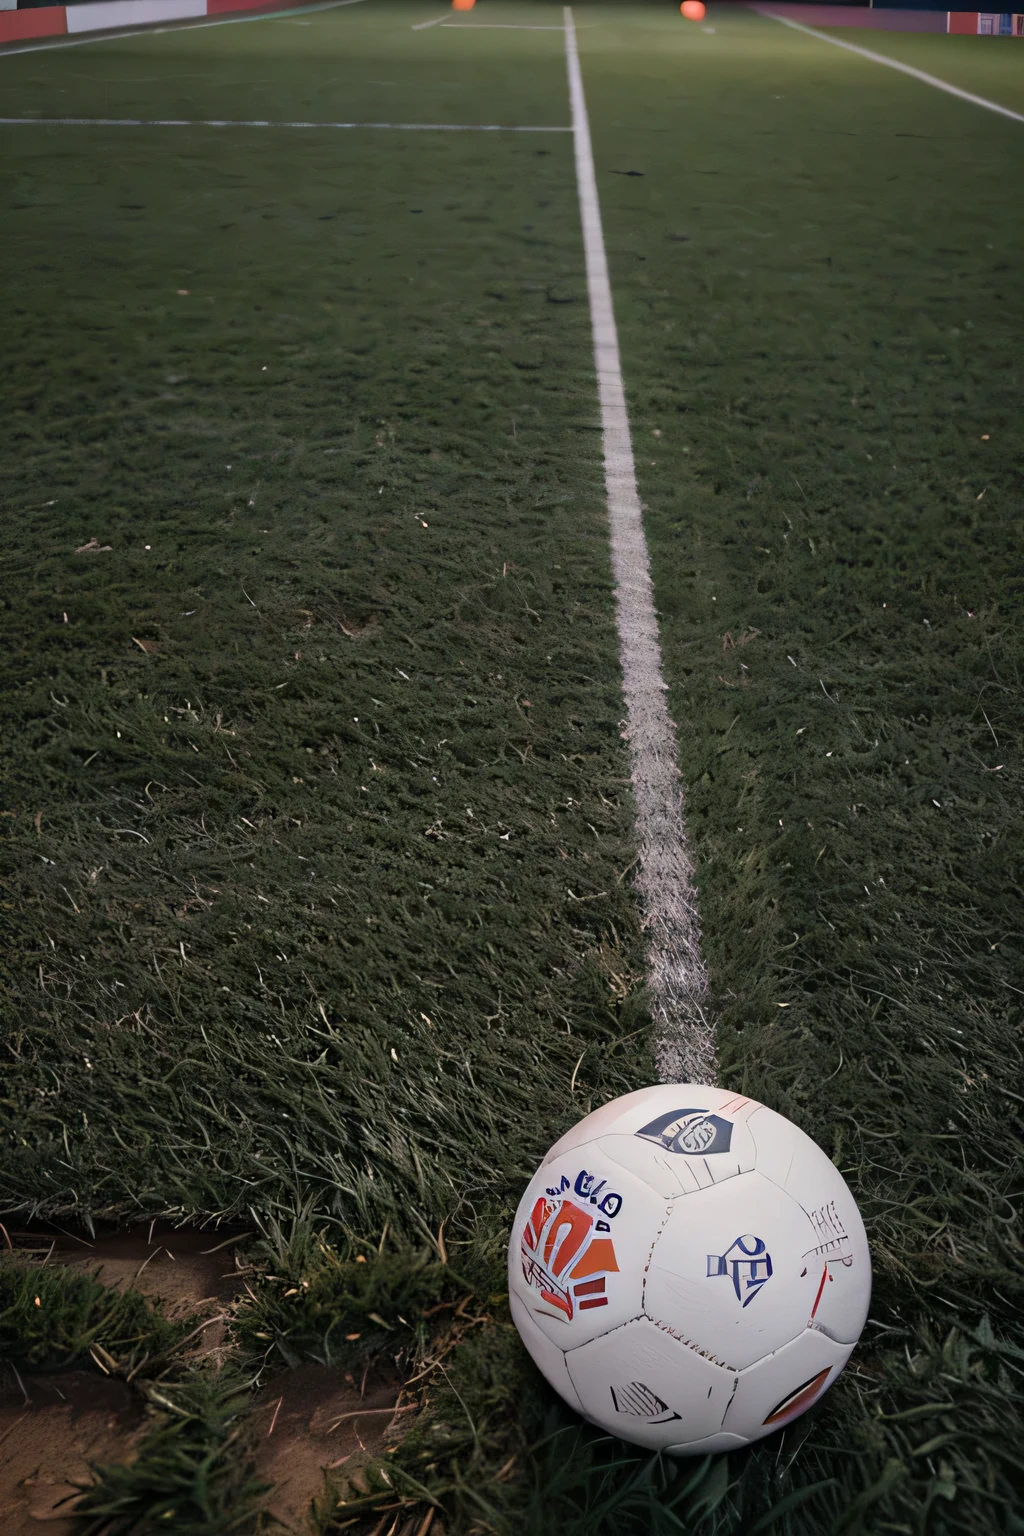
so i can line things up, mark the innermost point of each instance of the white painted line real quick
(421, 26)
(183, 122)
(684, 1043)
(904, 69)
(186, 26)
(496, 26)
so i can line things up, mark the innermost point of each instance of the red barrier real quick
(964, 23)
(47, 21)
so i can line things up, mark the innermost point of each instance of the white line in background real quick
(497, 26)
(177, 122)
(904, 69)
(421, 26)
(684, 1045)
(186, 26)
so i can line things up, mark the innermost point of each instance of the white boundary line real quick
(904, 69)
(187, 25)
(684, 1043)
(174, 122)
(421, 26)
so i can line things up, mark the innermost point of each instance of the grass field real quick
(996, 76)
(318, 829)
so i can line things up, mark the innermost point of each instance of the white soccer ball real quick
(688, 1269)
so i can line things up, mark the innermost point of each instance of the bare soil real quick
(316, 1423)
(51, 1427)
(320, 1431)
(185, 1267)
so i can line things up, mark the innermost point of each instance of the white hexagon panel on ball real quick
(643, 1385)
(835, 1270)
(580, 1242)
(724, 1274)
(678, 1138)
(776, 1390)
(547, 1357)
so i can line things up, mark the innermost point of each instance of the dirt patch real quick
(185, 1268)
(190, 1271)
(54, 1424)
(321, 1423)
(51, 1427)
(314, 1422)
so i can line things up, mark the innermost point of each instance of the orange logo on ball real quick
(693, 10)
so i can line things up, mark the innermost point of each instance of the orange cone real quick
(693, 10)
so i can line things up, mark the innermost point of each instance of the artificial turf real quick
(318, 830)
(994, 74)
(821, 336)
(325, 887)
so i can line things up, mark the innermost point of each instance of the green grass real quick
(836, 554)
(326, 913)
(192, 1471)
(969, 63)
(326, 889)
(52, 1318)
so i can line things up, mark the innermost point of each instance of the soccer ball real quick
(688, 1269)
